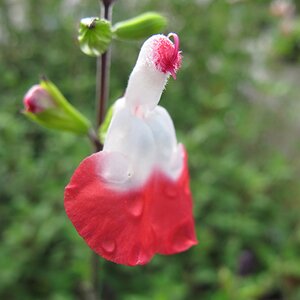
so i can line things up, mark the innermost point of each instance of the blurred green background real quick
(236, 107)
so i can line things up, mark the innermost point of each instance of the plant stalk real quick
(102, 93)
(103, 68)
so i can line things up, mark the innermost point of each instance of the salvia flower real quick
(45, 105)
(132, 200)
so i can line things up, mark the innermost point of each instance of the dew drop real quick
(108, 245)
(138, 256)
(183, 238)
(135, 206)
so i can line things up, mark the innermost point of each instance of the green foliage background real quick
(235, 105)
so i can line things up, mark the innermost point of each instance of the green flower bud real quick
(95, 36)
(45, 105)
(140, 27)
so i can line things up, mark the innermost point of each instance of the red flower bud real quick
(37, 100)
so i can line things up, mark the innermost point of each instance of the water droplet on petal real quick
(138, 256)
(135, 205)
(183, 238)
(114, 168)
(108, 246)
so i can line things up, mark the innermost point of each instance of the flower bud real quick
(140, 27)
(37, 100)
(94, 36)
(45, 105)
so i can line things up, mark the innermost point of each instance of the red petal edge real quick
(129, 227)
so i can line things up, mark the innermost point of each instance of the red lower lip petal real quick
(129, 227)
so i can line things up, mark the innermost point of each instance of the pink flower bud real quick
(37, 100)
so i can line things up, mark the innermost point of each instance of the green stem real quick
(102, 92)
(103, 68)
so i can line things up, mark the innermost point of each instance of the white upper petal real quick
(144, 88)
(168, 154)
(146, 83)
(139, 145)
(141, 137)
(130, 136)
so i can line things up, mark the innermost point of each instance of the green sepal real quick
(104, 126)
(53, 120)
(80, 122)
(140, 27)
(94, 36)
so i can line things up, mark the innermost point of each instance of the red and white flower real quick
(132, 200)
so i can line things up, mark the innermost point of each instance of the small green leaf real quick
(94, 36)
(140, 27)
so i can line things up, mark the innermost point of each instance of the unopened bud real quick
(140, 27)
(94, 36)
(45, 105)
(37, 100)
